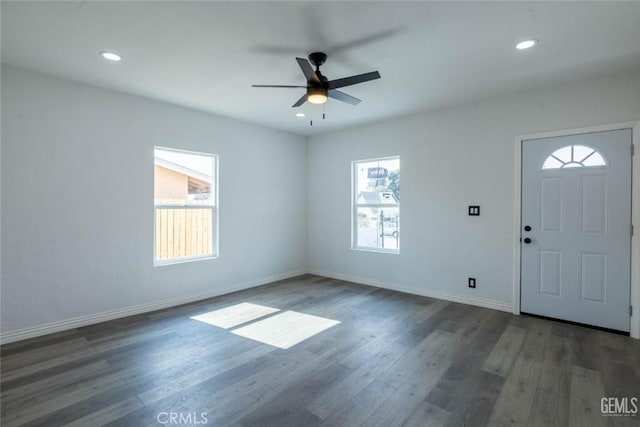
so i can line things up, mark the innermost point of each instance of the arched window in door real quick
(574, 156)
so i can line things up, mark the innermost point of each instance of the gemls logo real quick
(619, 406)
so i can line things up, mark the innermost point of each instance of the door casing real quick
(635, 212)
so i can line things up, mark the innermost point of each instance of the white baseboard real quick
(63, 325)
(77, 322)
(494, 305)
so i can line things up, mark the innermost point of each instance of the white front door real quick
(576, 223)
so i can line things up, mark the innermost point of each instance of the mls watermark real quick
(619, 406)
(184, 418)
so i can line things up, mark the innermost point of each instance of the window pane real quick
(594, 160)
(378, 181)
(183, 178)
(377, 204)
(572, 165)
(563, 154)
(378, 228)
(184, 232)
(580, 152)
(552, 163)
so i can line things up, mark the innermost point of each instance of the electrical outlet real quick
(472, 282)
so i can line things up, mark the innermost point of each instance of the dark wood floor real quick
(394, 360)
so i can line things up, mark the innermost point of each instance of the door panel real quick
(576, 196)
(594, 276)
(550, 272)
(551, 205)
(594, 204)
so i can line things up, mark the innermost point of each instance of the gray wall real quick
(449, 160)
(77, 200)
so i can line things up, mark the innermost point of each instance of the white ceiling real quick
(206, 55)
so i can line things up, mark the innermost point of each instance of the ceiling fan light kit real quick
(319, 88)
(317, 95)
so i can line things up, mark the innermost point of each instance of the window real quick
(376, 204)
(574, 156)
(185, 198)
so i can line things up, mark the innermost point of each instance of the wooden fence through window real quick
(183, 232)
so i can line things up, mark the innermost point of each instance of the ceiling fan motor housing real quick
(317, 58)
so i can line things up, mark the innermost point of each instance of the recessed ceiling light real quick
(526, 44)
(300, 114)
(111, 56)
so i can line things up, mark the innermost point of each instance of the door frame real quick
(634, 329)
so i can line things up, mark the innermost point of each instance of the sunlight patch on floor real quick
(234, 315)
(286, 329)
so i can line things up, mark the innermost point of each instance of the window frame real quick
(355, 206)
(215, 212)
(596, 151)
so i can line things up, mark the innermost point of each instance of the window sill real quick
(183, 260)
(378, 250)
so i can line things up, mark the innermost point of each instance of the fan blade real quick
(336, 49)
(307, 70)
(300, 101)
(341, 96)
(353, 80)
(278, 86)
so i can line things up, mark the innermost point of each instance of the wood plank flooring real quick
(392, 360)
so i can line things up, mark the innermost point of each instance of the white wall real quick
(77, 201)
(77, 197)
(449, 160)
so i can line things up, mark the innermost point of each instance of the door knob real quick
(527, 240)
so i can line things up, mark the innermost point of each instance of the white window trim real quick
(355, 206)
(215, 212)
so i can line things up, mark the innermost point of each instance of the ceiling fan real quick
(319, 88)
